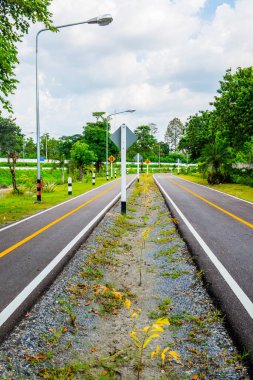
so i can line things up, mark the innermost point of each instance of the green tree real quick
(15, 19)
(234, 107)
(65, 144)
(174, 131)
(82, 156)
(29, 148)
(216, 161)
(95, 136)
(11, 144)
(198, 133)
(145, 143)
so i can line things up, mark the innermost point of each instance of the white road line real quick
(22, 296)
(237, 290)
(58, 205)
(218, 191)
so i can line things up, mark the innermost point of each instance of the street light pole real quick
(100, 20)
(106, 119)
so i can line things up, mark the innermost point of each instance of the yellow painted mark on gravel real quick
(36, 233)
(212, 204)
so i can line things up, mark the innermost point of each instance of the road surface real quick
(218, 229)
(34, 250)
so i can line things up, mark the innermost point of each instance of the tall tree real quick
(144, 144)
(95, 136)
(65, 144)
(174, 131)
(11, 144)
(82, 156)
(15, 19)
(198, 132)
(234, 106)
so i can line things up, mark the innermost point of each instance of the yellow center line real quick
(212, 204)
(38, 232)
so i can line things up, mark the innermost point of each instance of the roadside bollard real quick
(107, 176)
(93, 178)
(69, 186)
(115, 173)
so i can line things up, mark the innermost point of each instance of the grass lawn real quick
(240, 191)
(15, 207)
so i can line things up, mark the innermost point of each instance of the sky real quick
(163, 58)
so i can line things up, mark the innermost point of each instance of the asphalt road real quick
(218, 229)
(34, 250)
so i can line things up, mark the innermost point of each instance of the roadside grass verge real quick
(14, 207)
(241, 191)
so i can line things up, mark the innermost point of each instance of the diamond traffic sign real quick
(138, 156)
(130, 137)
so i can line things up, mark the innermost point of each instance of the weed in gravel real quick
(131, 209)
(67, 307)
(175, 273)
(167, 232)
(167, 252)
(162, 310)
(69, 371)
(92, 273)
(110, 300)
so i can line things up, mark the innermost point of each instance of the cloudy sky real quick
(163, 58)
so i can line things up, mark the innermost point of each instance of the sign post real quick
(138, 157)
(111, 159)
(147, 162)
(123, 138)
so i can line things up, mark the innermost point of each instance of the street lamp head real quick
(130, 111)
(101, 20)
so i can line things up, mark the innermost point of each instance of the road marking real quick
(218, 191)
(51, 208)
(237, 290)
(211, 203)
(22, 296)
(38, 232)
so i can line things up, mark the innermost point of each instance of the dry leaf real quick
(35, 358)
(104, 373)
(87, 303)
(195, 377)
(115, 312)
(65, 329)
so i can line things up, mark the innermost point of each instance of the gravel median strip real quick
(129, 305)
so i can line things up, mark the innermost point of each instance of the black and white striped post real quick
(69, 186)
(123, 138)
(93, 178)
(115, 173)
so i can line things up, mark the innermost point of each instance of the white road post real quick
(93, 178)
(178, 165)
(123, 169)
(111, 171)
(147, 168)
(138, 167)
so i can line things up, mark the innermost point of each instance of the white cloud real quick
(158, 57)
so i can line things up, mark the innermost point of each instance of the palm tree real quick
(216, 161)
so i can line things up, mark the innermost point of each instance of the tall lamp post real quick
(102, 21)
(106, 119)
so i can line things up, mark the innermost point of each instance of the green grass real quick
(240, 191)
(14, 207)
